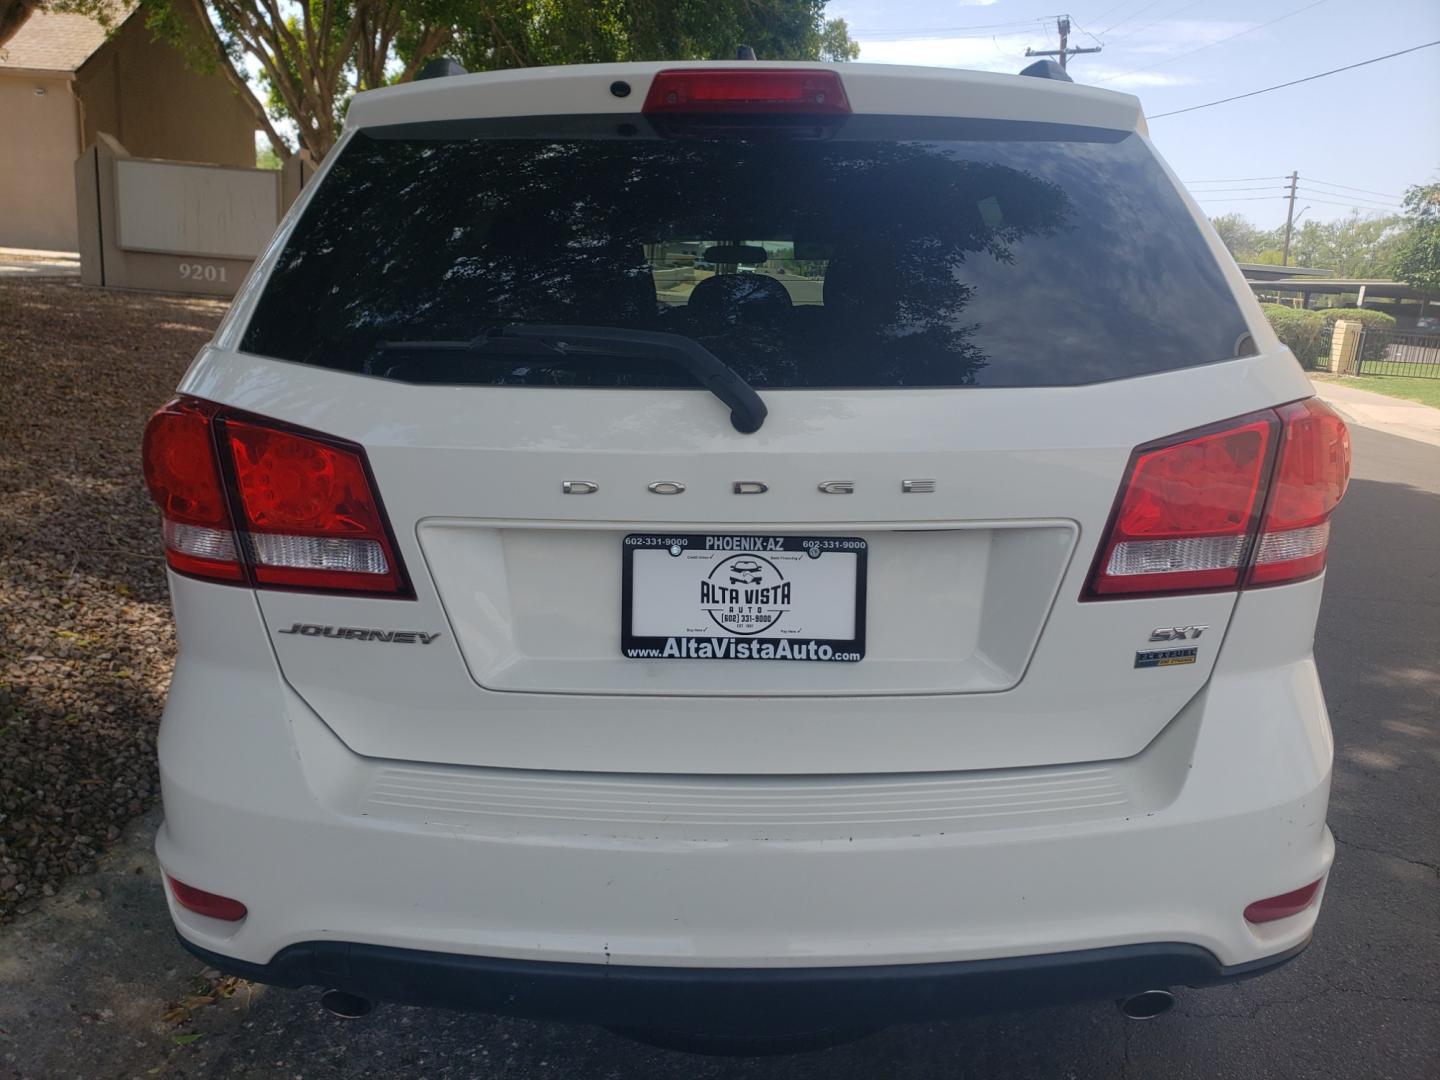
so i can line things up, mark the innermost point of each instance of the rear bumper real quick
(498, 874)
(740, 1001)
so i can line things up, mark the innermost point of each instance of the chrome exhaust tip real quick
(1147, 1005)
(346, 1006)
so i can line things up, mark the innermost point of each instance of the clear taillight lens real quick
(1248, 500)
(306, 508)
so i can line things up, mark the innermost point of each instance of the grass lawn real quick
(1425, 391)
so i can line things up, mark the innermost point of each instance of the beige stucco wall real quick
(38, 143)
(142, 92)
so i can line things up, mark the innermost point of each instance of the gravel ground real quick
(85, 637)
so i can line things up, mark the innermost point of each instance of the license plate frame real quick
(728, 569)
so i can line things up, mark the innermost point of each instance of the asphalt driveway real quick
(92, 984)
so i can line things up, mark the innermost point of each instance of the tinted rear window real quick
(889, 252)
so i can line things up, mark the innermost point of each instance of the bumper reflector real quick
(205, 903)
(1282, 906)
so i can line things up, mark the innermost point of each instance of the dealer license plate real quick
(743, 596)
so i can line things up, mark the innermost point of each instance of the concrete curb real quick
(1407, 419)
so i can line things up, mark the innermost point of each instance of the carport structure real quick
(1405, 302)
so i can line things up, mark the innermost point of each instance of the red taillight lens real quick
(1244, 502)
(305, 504)
(1187, 512)
(310, 517)
(1282, 906)
(1310, 479)
(206, 903)
(181, 473)
(742, 90)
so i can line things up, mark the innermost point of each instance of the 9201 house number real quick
(194, 271)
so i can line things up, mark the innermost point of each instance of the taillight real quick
(746, 90)
(308, 513)
(1248, 500)
(1187, 511)
(181, 473)
(1310, 480)
(246, 500)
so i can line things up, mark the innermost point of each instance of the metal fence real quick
(1399, 352)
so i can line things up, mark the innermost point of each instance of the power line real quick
(1234, 180)
(1219, 41)
(1214, 190)
(1354, 206)
(1112, 7)
(1126, 18)
(1247, 198)
(1325, 196)
(1367, 191)
(1163, 18)
(1086, 32)
(1297, 82)
(1312, 197)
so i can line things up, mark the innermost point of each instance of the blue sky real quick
(1376, 128)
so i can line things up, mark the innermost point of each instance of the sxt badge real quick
(1177, 633)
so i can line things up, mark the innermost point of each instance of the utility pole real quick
(1062, 23)
(1290, 218)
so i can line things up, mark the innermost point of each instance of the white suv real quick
(742, 549)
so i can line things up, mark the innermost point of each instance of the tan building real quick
(62, 81)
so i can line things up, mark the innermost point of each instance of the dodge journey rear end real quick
(743, 548)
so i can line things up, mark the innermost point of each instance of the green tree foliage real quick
(1352, 247)
(1243, 239)
(1417, 256)
(602, 31)
(314, 55)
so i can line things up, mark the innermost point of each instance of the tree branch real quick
(236, 81)
(430, 41)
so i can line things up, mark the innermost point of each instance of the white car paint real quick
(995, 779)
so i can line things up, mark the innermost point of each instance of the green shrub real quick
(1306, 333)
(1373, 320)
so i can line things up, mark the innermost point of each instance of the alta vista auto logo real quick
(745, 594)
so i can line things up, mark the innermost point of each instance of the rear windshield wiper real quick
(747, 410)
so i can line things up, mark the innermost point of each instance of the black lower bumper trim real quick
(738, 1000)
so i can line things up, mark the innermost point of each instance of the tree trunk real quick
(13, 14)
(236, 80)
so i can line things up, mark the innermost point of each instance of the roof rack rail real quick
(441, 67)
(1047, 69)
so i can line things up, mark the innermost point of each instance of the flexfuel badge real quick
(1165, 657)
